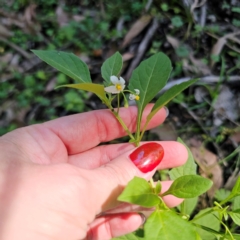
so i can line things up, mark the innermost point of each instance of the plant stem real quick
(152, 183)
(115, 113)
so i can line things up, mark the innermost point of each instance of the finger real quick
(114, 176)
(174, 155)
(83, 131)
(114, 225)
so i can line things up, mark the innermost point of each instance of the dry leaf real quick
(218, 46)
(136, 28)
(226, 106)
(200, 67)
(127, 56)
(173, 41)
(4, 32)
(30, 14)
(235, 137)
(166, 132)
(209, 167)
(62, 17)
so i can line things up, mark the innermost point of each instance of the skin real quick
(56, 183)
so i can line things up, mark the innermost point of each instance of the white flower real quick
(135, 96)
(118, 85)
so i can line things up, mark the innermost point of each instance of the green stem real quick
(119, 120)
(123, 124)
(143, 131)
(227, 230)
(118, 102)
(152, 183)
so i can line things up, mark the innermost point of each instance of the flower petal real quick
(122, 81)
(114, 79)
(137, 91)
(131, 96)
(111, 89)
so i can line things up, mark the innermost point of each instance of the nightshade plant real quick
(144, 85)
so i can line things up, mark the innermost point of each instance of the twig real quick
(203, 14)
(207, 79)
(142, 47)
(15, 47)
(148, 5)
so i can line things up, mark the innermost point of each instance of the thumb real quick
(114, 176)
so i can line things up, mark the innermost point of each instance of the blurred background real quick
(201, 37)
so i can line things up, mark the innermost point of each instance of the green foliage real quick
(166, 225)
(68, 64)
(150, 77)
(208, 220)
(188, 168)
(139, 192)
(112, 67)
(177, 21)
(189, 186)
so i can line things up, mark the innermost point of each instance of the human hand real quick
(54, 181)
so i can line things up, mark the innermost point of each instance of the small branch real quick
(15, 47)
(142, 47)
(208, 79)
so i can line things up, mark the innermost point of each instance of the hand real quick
(55, 179)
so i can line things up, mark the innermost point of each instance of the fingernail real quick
(143, 217)
(147, 156)
(167, 111)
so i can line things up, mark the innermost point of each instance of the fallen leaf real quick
(127, 56)
(173, 41)
(165, 132)
(209, 167)
(4, 32)
(219, 45)
(30, 14)
(235, 137)
(200, 67)
(226, 106)
(62, 17)
(136, 28)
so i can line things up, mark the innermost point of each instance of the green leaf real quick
(189, 186)
(235, 215)
(236, 236)
(234, 193)
(150, 77)
(236, 189)
(209, 220)
(221, 194)
(138, 191)
(236, 203)
(112, 67)
(67, 63)
(91, 87)
(168, 96)
(188, 205)
(166, 225)
(189, 168)
(158, 187)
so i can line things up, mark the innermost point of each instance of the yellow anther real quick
(119, 87)
(137, 97)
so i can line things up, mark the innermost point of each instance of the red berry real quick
(147, 156)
